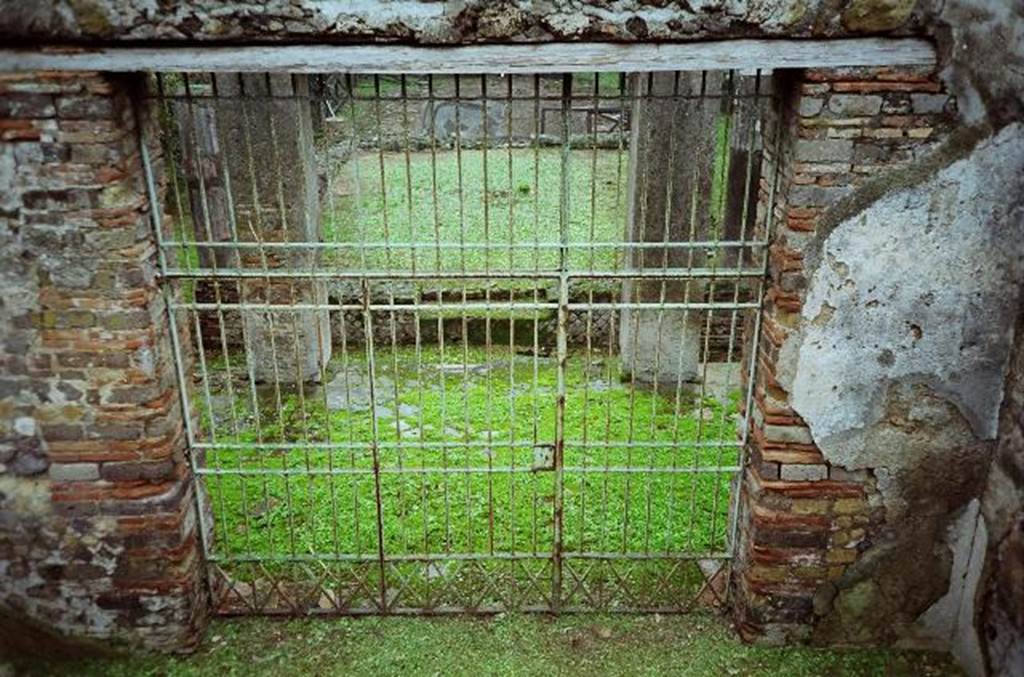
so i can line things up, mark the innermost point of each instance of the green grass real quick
(521, 207)
(508, 645)
(487, 416)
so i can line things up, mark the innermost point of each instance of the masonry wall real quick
(98, 537)
(805, 520)
(885, 341)
(992, 637)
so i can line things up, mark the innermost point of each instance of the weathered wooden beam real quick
(510, 58)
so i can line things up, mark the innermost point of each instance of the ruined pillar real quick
(834, 541)
(671, 164)
(249, 161)
(99, 535)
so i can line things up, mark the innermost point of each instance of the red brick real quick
(870, 86)
(824, 488)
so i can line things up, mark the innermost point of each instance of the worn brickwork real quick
(98, 535)
(803, 521)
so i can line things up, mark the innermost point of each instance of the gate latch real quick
(543, 457)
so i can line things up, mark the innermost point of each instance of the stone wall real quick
(821, 529)
(98, 535)
(993, 612)
(438, 22)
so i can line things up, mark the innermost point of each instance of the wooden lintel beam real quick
(507, 58)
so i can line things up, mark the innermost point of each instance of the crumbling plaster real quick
(919, 288)
(900, 363)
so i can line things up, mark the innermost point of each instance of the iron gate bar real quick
(279, 446)
(468, 245)
(664, 273)
(240, 439)
(299, 307)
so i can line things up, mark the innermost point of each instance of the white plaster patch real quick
(923, 284)
(25, 425)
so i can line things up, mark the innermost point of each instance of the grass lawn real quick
(513, 198)
(457, 433)
(507, 645)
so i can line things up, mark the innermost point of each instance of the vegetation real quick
(477, 409)
(472, 215)
(693, 645)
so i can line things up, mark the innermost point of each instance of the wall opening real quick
(465, 343)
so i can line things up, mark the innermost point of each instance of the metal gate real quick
(464, 343)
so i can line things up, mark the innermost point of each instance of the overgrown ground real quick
(461, 437)
(498, 214)
(458, 430)
(506, 645)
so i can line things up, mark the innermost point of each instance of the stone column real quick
(672, 157)
(99, 541)
(253, 146)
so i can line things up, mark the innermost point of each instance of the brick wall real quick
(98, 534)
(802, 521)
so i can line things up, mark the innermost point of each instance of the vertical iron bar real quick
(204, 373)
(728, 85)
(511, 324)
(753, 341)
(536, 298)
(753, 112)
(156, 221)
(375, 446)
(250, 367)
(487, 319)
(666, 228)
(233, 230)
(563, 318)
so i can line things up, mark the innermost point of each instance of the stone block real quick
(790, 434)
(131, 471)
(804, 473)
(74, 472)
(927, 104)
(852, 105)
(847, 506)
(85, 107)
(26, 106)
(844, 475)
(824, 150)
(810, 106)
(841, 555)
(817, 196)
(661, 347)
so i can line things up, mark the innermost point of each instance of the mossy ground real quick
(505, 645)
(496, 210)
(457, 428)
